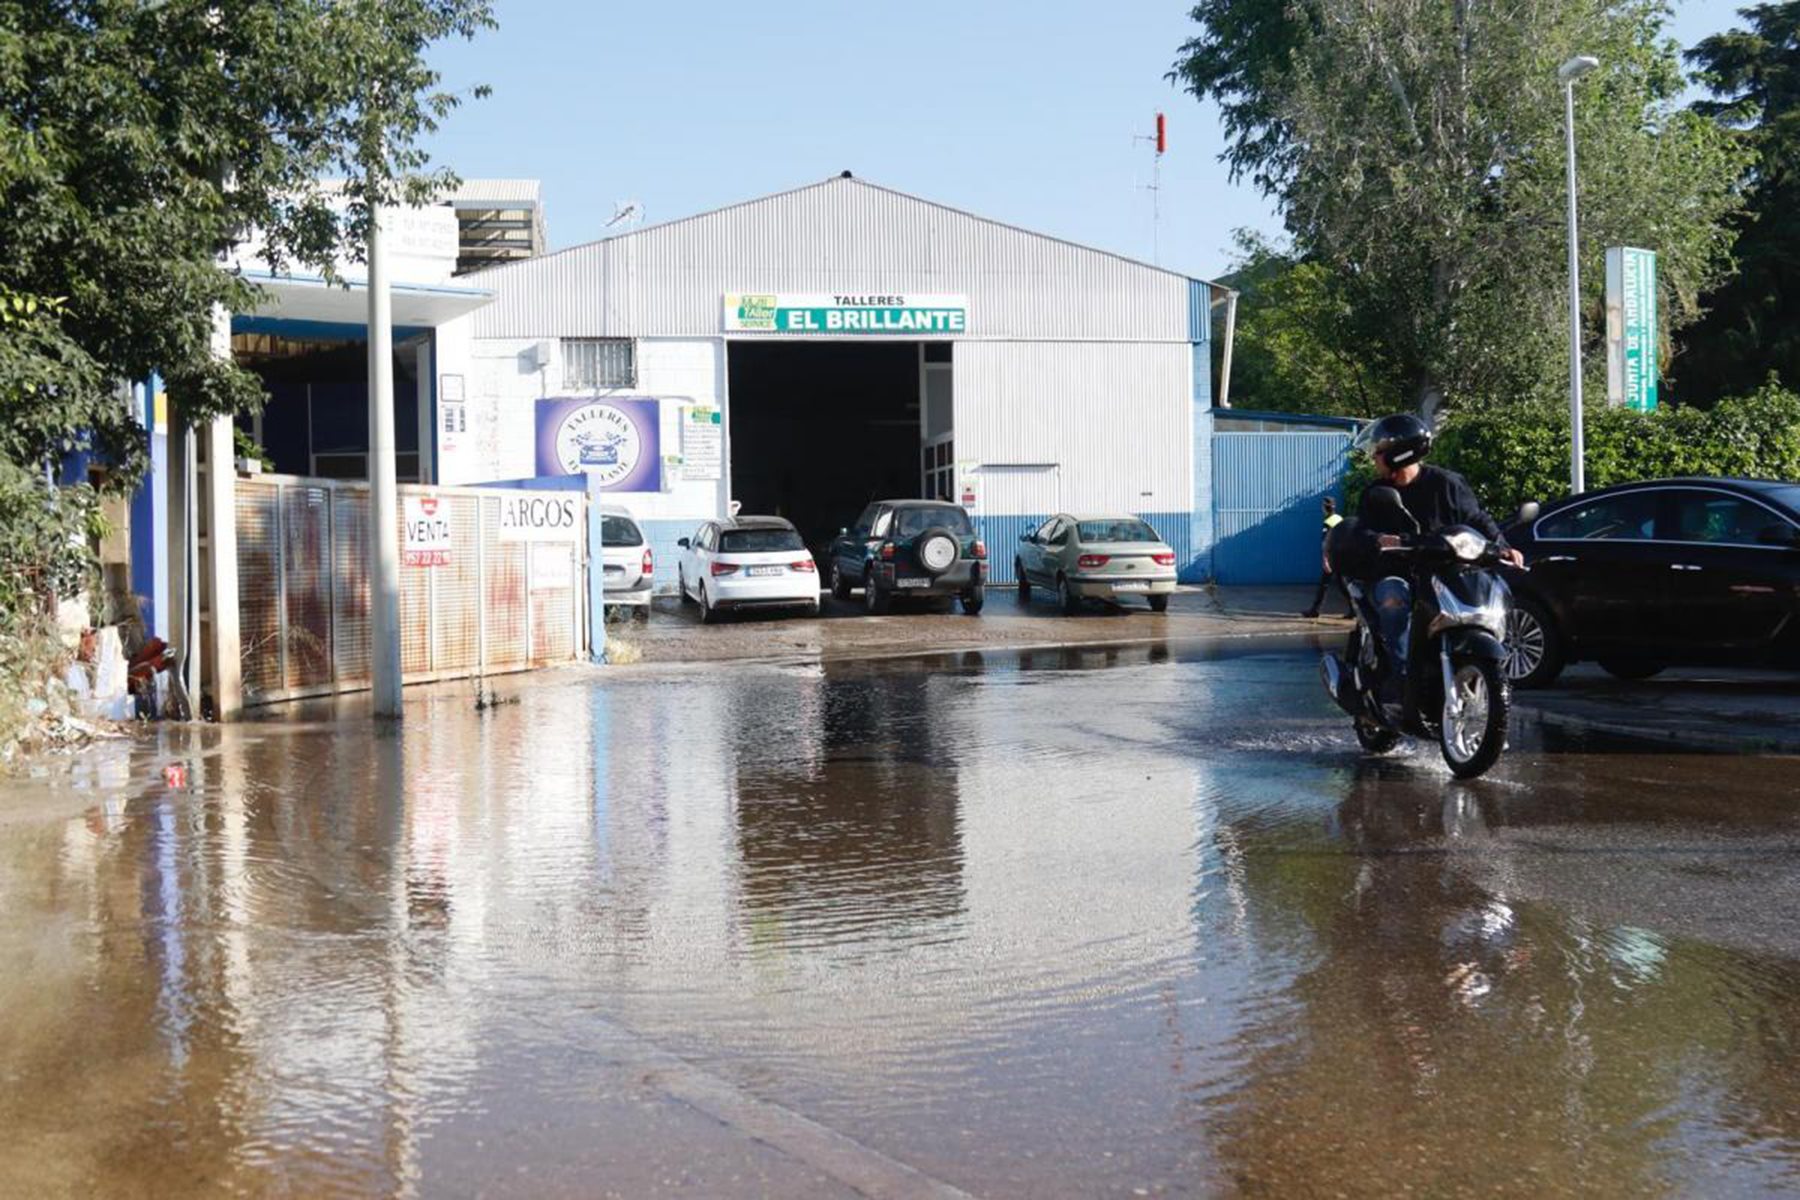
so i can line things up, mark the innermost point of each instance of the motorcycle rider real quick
(1436, 498)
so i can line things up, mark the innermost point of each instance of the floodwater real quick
(1074, 923)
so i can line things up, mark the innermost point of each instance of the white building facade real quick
(806, 352)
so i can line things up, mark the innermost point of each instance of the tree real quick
(1751, 328)
(1416, 149)
(1294, 351)
(139, 141)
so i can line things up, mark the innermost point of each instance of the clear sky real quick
(1023, 112)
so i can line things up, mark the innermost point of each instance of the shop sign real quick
(898, 313)
(539, 517)
(1631, 333)
(702, 443)
(615, 440)
(427, 541)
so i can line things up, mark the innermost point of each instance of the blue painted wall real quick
(1267, 488)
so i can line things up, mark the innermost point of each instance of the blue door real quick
(1266, 493)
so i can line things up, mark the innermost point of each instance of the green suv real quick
(910, 548)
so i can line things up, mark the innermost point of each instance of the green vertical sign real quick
(1632, 369)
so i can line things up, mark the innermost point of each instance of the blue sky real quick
(1020, 112)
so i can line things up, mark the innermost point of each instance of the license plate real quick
(1132, 585)
(912, 583)
(765, 570)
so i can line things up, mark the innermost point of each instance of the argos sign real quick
(540, 517)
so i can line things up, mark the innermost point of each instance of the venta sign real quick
(860, 315)
(427, 527)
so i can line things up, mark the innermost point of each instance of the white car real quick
(748, 562)
(629, 564)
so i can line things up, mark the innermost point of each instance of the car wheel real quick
(874, 599)
(974, 598)
(840, 587)
(1065, 596)
(1159, 604)
(1534, 654)
(642, 615)
(1631, 669)
(1024, 583)
(708, 614)
(936, 550)
(813, 609)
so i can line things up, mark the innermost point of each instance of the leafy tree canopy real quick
(1416, 150)
(1752, 324)
(139, 139)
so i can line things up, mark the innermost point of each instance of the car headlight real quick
(1466, 544)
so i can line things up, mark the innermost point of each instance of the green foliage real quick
(1752, 323)
(1293, 346)
(44, 550)
(1517, 451)
(1416, 149)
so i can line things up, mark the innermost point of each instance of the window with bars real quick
(592, 364)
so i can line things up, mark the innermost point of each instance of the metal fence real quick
(303, 590)
(1266, 492)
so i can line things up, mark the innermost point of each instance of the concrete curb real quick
(1701, 740)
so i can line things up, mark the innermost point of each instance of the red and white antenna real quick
(1159, 140)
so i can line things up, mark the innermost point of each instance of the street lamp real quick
(1569, 72)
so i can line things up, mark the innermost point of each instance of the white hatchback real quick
(748, 562)
(629, 565)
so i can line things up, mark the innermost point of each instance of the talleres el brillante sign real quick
(896, 313)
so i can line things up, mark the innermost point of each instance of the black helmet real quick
(1400, 440)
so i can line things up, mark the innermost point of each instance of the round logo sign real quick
(600, 440)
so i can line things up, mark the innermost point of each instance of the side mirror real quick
(684, 543)
(1386, 501)
(1528, 511)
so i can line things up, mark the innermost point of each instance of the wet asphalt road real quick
(1071, 923)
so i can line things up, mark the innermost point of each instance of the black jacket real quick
(1436, 498)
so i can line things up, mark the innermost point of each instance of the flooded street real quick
(1015, 924)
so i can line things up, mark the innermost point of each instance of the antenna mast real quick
(1160, 140)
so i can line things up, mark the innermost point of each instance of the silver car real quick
(1095, 558)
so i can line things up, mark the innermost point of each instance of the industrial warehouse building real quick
(806, 352)
(799, 354)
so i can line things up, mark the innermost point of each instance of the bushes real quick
(1516, 452)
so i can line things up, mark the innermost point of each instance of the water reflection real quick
(1034, 926)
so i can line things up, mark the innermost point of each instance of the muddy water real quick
(1084, 923)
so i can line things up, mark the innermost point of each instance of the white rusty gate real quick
(303, 592)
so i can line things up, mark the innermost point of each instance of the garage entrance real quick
(818, 429)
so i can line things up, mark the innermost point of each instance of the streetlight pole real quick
(1568, 73)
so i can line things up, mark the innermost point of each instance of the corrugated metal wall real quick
(303, 596)
(1267, 488)
(1116, 418)
(669, 280)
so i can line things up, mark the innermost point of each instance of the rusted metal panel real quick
(457, 603)
(259, 583)
(350, 585)
(306, 585)
(415, 608)
(504, 590)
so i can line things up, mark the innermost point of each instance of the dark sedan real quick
(1648, 575)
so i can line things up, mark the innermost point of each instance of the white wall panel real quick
(839, 235)
(1114, 417)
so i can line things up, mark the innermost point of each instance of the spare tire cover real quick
(937, 550)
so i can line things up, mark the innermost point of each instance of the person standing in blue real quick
(1327, 576)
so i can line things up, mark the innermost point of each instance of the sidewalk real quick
(1740, 712)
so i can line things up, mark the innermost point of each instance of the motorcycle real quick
(1455, 689)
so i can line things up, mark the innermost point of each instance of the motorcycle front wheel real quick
(1472, 732)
